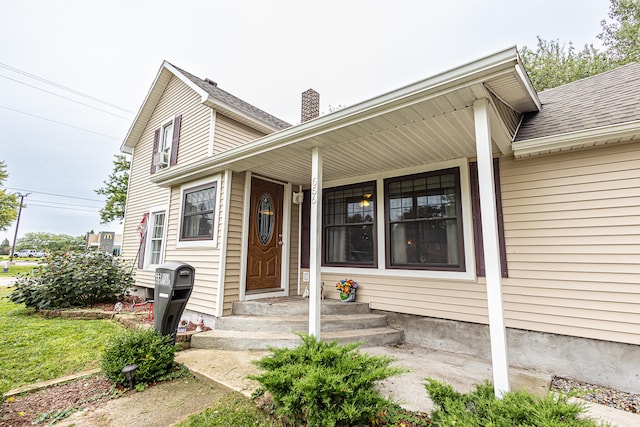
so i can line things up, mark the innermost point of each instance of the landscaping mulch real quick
(47, 404)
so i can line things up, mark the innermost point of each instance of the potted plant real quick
(347, 288)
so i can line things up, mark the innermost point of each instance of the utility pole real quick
(15, 236)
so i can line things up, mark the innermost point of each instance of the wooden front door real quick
(264, 258)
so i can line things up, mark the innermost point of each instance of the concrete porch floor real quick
(229, 369)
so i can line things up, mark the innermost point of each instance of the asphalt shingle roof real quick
(234, 101)
(612, 97)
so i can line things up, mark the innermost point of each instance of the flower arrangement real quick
(347, 286)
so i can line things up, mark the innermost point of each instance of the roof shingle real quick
(234, 101)
(605, 99)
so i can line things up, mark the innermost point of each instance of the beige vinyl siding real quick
(230, 134)
(176, 99)
(205, 259)
(572, 229)
(234, 243)
(463, 301)
(293, 259)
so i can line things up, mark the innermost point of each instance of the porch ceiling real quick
(428, 122)
(415, 135)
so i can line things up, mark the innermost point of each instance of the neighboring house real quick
(389, 192)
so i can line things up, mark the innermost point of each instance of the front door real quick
(264, 258)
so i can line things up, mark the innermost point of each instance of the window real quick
(349, 225)
(198, 213)
(166, 139)
(156, 237)
(424, 221)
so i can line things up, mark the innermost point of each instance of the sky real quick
(74, 73)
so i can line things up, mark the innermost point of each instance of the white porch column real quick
(315, 250)
(497, 329)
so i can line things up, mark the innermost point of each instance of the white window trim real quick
(467, 225)
(209, 243)
(165, 123)
(147, 250)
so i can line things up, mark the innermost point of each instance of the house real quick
(481, 216)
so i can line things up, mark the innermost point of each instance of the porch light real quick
(128, 372)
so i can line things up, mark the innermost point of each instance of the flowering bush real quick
(346, 286)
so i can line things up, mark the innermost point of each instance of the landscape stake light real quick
(128, 372)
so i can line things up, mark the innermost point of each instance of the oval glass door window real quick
(265, 219)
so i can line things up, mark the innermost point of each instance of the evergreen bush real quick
(481, 408)
(73, 280)
(151, 351)
(324, 383)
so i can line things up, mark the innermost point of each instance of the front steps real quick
(275, 322)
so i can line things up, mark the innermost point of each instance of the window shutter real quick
(477, 219)
(141, 250)
(173, 159)
(156, 143)
(305, 239)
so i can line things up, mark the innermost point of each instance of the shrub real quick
(325, 383)
(481, 408)
(73, 280)
(151, 351)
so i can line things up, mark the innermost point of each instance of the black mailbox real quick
(174, 282)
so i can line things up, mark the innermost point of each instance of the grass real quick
(38, 349)
(14, 270)
(232, 409)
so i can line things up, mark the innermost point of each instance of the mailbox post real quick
(174, 282)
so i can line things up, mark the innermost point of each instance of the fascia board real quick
(575, 140)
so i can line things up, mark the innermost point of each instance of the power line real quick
(60, 123)
(52, 194)
(62, 207)
(65, 97)
(65, 204)
(58, 85)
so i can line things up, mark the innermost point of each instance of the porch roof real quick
(425, 122)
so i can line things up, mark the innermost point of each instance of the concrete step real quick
(252, 340)
(300, 323)
(295, 306)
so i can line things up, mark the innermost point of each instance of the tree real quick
(553, 63)
(9, 203)
(621, 37)
(5, 247)
(52, 243)
(116, 190)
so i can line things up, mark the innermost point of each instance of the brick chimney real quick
(310, 105)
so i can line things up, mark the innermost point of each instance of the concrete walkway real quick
(229, 369)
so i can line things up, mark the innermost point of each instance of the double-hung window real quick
(157, 237)
(349, 225)
(424, 221)
(198, 213)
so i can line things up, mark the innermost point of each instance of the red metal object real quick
(150, 308)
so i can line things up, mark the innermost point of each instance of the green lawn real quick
(37, 349)
(15, 270)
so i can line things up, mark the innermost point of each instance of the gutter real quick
(568, 141)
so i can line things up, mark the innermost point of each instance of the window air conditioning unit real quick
(161, 159)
